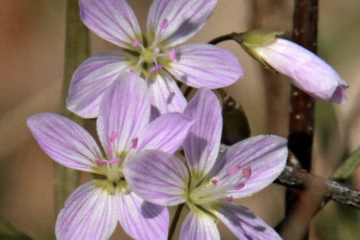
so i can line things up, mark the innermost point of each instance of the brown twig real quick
(327, 189)
(299, 208)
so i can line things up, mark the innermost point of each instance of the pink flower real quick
(306, 71)
(92, 210)
(153, 54)
(209, 183)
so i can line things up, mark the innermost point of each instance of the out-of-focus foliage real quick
(8, 232)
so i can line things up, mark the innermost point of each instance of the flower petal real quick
(197, 225)
(166, 133)
(307, 71)
(265, 155)
(65, 141)
(184, 17)
(205, 65)
(113, 21)
(124, 112)
(165, 94)
(90, 81)
(202, 144)
(339, 95)
(158, 177)
(242, 222)
(141, 219)
(89, 213)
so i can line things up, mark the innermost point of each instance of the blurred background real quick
(32, 37)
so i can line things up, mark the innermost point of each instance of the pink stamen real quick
(135, 42)
(114, 160)
(156, 68)
(164, 24)
(113, 136)
(233, 169)
(215, 180)
(230, 199)
(172, 54)
(246, 171)
(134, 143)
(100, 162)
(239, 186)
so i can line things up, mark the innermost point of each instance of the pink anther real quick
(156, 68)
(233, 169)
(172, 54)
(215, 180)
(230, 199)
(239, 186)
(134, 143)
(164, 24)
(113, 136)
(246, 171)
(135, 42)
(100, 162)
(114, 160)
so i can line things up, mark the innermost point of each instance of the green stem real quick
(77, 50)
(175, 221)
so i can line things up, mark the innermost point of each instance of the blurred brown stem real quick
(77, 50)
(299, 206)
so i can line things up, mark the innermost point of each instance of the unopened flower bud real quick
(306, 70)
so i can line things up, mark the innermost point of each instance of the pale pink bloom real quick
(93, 210)
(307, 71)
(209, 183)
(152, 54)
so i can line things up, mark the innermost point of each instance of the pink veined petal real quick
(264, 155)
(65, 141)
(89, 213)
(141, 220)
(124, 110)
(185, 18)
(243, 223)
(158, 177)
(166, 133)
(205, 65)
(202, 144)
(197, 225)
(90, 81)
(307, 71)
(165, 94)
(112, 20)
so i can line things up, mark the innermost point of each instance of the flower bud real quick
(306, 70)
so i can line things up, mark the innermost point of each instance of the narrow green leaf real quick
(77, 50)
(348, 167)
(8, 232)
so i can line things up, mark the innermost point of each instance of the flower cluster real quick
(143, 119)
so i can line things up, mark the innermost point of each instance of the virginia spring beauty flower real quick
(307, 71)
(153, 54)
(93, 209)
(208, 184)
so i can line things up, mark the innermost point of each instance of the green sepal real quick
(256, 38)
